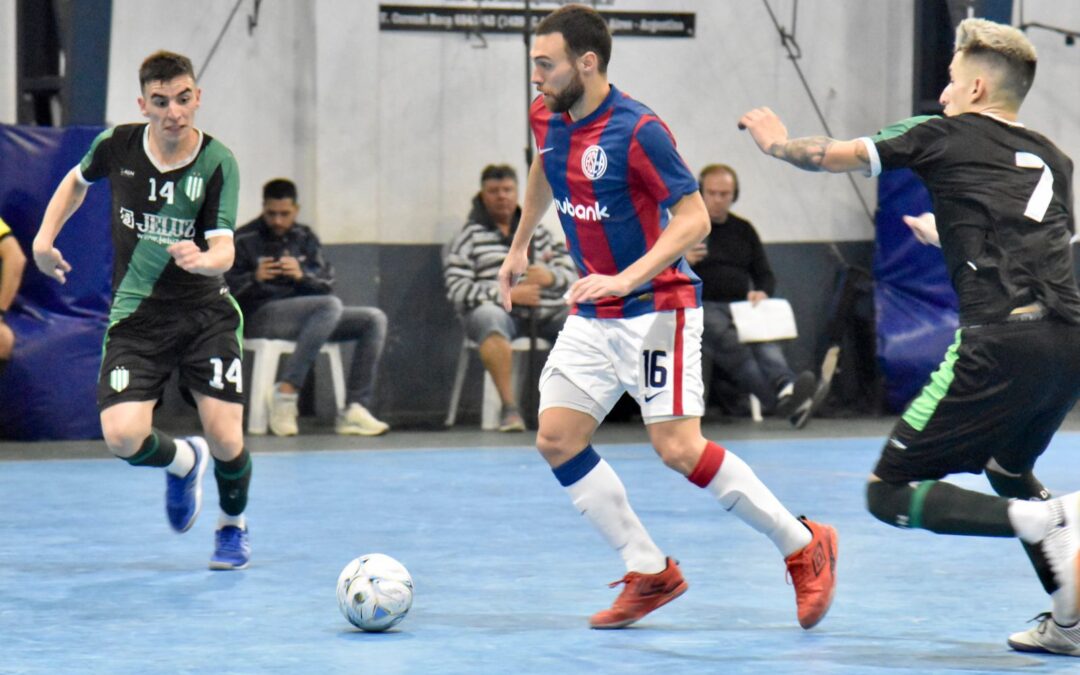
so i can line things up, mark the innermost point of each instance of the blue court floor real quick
(506, 572)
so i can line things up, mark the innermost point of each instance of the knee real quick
(678, 453)
(123, 440)
(1018, 486)
(556, 446)
(379, 320)
(226, 440)
(329, 306)
(888, 502)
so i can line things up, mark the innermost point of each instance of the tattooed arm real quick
(813, 153)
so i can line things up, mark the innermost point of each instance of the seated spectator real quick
(732, 265)
(472, 262)
(12, 262)
(285, 287)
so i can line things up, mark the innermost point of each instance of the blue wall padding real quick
(48, 389)
(915, 303)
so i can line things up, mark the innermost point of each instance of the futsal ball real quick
(374, 592)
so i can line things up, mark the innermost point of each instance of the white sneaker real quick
(1048, 637)
(283, 412)
(356, 420)
(1061, 545)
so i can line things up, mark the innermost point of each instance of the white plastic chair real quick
(492, 404)
(264, 373)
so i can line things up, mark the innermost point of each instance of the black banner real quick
(444, 19)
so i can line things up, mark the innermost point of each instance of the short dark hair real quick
(279, 188)
(162, 66)
(719, 168)
(498, 172)
(583, 29)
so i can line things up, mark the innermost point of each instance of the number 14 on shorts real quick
(233, 375)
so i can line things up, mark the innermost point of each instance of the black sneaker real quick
(795, 395)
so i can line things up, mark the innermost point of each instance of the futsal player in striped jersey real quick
(1002, 196)
(611, 167)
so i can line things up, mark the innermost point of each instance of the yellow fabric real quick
(4, 229)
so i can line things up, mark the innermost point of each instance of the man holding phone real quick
(285, 287)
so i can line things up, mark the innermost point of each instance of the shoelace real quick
(229, 541)
(625, 580)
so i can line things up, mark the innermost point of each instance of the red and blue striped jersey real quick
(613, 175)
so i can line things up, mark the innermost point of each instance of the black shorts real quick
(143, 350)
(1001, 392)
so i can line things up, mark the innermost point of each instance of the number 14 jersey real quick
(154, 207)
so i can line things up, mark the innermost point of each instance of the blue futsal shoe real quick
(231, 549)
(183, 496)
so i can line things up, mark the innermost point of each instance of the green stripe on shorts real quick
(920, 411)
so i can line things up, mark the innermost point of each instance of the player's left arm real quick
(812, 153)
(689, 224)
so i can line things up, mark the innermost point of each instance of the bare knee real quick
(124, 440)
(679, 443)
(680, 454)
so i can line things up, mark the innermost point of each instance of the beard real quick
(565, 99)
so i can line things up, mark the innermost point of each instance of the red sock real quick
(708, 465)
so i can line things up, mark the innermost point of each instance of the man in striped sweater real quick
(471, 267)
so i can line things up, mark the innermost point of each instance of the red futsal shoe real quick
(643, 593)
(813, 573)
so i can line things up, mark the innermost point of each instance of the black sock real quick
(1026, 486)
(158, 450)
(233, 478)
(939, 507)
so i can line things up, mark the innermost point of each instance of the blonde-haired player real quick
(1003, 218)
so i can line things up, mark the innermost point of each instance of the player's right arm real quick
(65, 201)
(538, 196)
(812, 153)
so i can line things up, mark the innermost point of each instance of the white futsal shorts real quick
(655, 357)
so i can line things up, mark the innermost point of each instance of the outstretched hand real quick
(924, 227)
(765, 127)
(51, 262)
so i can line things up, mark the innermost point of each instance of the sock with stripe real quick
(947, 509)
(1027, 487)
(233, 478)
(601, 497)
(162, 451)
(742, 493)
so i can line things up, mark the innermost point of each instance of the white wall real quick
(8, 111)
(386, 132)
(1053, 104)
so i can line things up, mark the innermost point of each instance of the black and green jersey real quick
(1002, 197)
(152, 209)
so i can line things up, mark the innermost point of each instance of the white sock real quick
(1030, 520)
(601, 497)
(236, 521)
(184, 461)
(741, 492)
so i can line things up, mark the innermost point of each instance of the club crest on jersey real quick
(119, 378)
(594, 162)
(193, 186)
